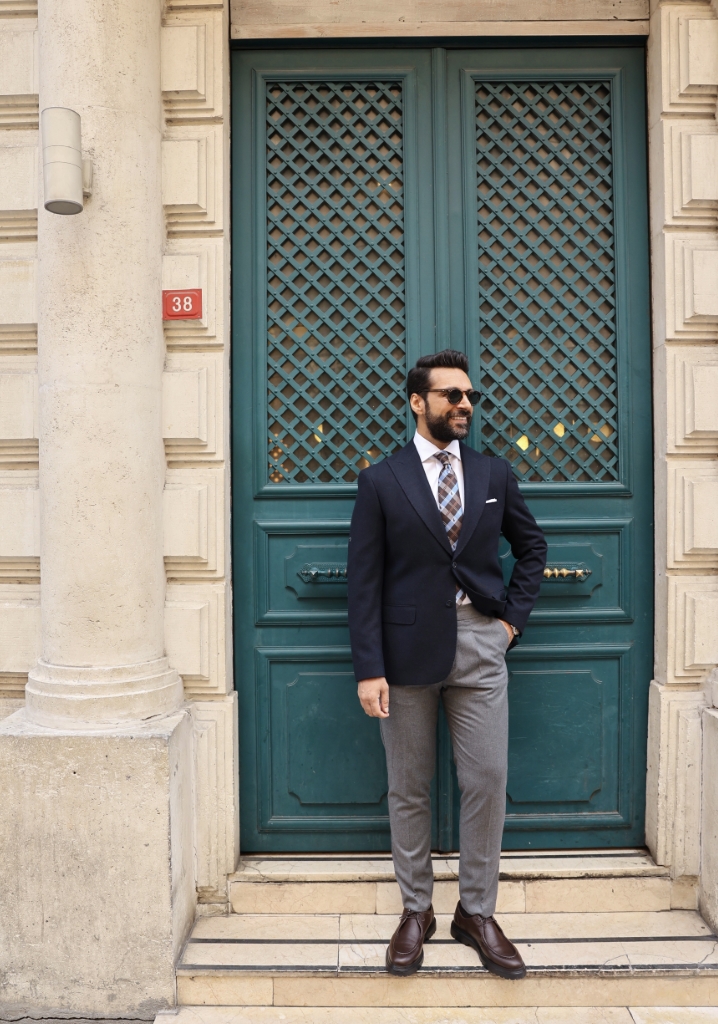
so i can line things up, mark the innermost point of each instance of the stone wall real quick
(195, 415)
(19, 494)
(196, 427)
(683, 139)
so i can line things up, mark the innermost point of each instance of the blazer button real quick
(453, 565)
(449, 604)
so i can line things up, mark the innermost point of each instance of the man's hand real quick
(374, 697)
(508, 628)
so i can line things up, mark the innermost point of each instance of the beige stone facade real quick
(114, 472)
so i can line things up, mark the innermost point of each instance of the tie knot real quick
(443, 458)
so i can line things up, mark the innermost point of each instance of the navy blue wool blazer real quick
(402, 573)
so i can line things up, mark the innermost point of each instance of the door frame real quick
(443, 311)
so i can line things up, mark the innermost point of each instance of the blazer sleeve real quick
(529, 548)
(365, 579)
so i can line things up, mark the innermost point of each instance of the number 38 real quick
(181, 304)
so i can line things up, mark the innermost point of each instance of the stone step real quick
(659, 958)
(596, 880)
(440, 1015)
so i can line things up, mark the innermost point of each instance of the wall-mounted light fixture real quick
(62, 160)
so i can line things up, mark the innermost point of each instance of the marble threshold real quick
(613, 863)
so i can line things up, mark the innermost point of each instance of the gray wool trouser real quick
(474, 695)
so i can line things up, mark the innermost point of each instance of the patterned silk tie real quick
(450, 506)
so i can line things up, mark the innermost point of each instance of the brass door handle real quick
(323, 572)
(555, 572)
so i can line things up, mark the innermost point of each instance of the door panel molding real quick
(310, 665)
(616, 784)
(271, 580)
(617, 576)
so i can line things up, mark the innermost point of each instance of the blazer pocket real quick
(399, 616)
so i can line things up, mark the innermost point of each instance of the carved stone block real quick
(689, 36)
(192, 180)
(192, 66)
(18, 73)
(19, 527)
(187, 628)
(18, 309)
(692, 633)
(192, 407)
(699, 152)
(216, 795)
(19, 634)
(185, 524)
(709, 832)
(693, 409)
(699, 69)
(184, 411)
(701, 646)
(692, 287)
(194, 524)
(19, 186)
(701, 284)
(673, 784)
(18, 411)
(195, 617)
(196, 264)
(693, 508)
(691, 161)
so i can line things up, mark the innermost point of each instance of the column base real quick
(97, 869)
(59, 696)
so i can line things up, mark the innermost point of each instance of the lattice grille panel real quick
(335, 278)
(546, 278)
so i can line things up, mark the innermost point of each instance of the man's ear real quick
(417, 402)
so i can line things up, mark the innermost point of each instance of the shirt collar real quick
(427, 450)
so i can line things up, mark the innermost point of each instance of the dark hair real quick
(418, 379)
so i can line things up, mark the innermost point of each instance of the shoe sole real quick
(503, 972)
(404, 972)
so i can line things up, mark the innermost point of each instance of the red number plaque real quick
(185, 304)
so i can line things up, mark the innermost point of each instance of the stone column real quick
(101, 353)
(96, 821)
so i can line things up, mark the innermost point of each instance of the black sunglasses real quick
(454, 395)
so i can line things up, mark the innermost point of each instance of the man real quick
(430, 619)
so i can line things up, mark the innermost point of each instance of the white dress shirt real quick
(432, 468)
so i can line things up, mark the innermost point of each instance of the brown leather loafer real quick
(483, 934)
(405, 954)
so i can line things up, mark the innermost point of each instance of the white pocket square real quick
(489, 500)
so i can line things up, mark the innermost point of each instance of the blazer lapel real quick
(408, 470)
(476, 487)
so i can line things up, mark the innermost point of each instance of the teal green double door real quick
(388, 202)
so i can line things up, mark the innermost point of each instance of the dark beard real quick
(442, 429)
